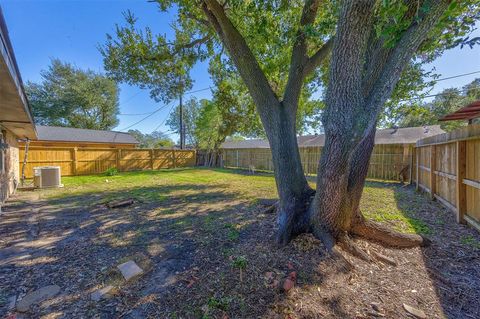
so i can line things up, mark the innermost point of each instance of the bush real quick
(111, 171)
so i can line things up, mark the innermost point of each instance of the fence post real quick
(461, 191)
(433, 161)
(151, 159)
(417, 154)
(174, 159)
(119, 154)
(74, 158)
(411, 151)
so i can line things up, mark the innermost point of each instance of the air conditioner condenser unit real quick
(47, 176)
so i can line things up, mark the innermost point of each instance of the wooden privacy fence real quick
(78, 161)
(386, 162)
(449, 170)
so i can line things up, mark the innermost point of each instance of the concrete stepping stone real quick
(102, 293)
(129, 270)
(37, 296)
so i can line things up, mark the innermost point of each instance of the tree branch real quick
(199, 20)
(193, 43)
(243, 58)
(177, 49)
(299, 56)
(344, 92)
(378, 53)
(384, 66)
(318, 56)
(402, 53)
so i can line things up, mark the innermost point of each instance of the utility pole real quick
(182, 132)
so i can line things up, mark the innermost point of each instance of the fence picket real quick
(83, 161)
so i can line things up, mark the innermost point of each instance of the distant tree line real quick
(419, 113)
(155, 139)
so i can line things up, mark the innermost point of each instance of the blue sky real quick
(72, 30)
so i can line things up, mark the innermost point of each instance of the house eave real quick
(15, 113)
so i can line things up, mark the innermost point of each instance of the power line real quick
(164, 119)
(200, 90)
(146, 117)
(131, 97)
(209, 88)
(138, 114)
(456, 76)
(135, 114)
(434, 95)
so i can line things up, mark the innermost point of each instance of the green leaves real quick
(163, 63)
(68, 96)
(191, 109)
(155, 139)
(154, 62)
(416, 113)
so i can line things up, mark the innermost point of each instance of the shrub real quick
(111, 171)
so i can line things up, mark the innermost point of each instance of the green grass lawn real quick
(384, 202)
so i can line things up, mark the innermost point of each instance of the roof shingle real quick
(407, 135)
(69, 134)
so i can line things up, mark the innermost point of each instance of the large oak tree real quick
(359, 51)
(69, 96)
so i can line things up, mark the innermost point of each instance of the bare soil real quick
(214, 257)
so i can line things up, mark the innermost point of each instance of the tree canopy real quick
(428, 113)
(155, 139)
(69, 96)
(270, 29)
(190, 114)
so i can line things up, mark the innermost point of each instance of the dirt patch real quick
(213, 256)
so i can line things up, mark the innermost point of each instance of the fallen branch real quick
(120, 203)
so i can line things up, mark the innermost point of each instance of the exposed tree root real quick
(384, 259)
(338, 255)
(349, 246)
(386, 236)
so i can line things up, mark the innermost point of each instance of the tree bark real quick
(363, 75)
(354, 98)
(292, 186)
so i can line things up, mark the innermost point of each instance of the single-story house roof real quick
(406, 135)
(69, 134)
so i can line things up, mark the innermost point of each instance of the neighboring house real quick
(16, 120)
(56, 136)
(392, 156)
(407, 135)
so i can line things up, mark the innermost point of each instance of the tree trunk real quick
(358, 86)
(292, 187)
(331, 221)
